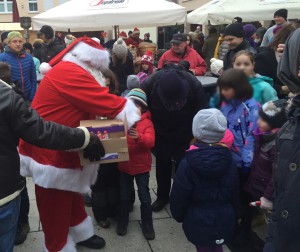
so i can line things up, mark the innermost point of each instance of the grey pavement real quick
(169, 234)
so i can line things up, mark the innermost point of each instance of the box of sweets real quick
(113, 136)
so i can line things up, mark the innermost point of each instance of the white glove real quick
(266, 204)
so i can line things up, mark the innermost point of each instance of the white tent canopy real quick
(90, 15)
(223, 11)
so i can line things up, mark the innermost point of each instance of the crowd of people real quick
(234, 156)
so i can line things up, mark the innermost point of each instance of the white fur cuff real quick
(87, 137)
(130, 112)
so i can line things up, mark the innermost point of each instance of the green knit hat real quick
(138, 95)
(13, 34)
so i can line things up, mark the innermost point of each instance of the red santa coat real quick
(66, 95)
(195, 60)
(140, 150)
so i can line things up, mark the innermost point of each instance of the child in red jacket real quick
(140, 140)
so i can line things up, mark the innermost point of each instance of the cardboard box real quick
(113, 137)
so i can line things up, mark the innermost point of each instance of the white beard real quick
(98, 76)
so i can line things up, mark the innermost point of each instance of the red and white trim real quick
(83, 230)
(70, 246)
(48, 176)
(93, 56)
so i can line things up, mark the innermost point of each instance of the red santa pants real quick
(63, 218)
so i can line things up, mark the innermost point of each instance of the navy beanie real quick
(234, 30)
(172, 89)
(4, 35)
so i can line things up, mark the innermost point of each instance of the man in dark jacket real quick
(234, 36)
(174, 97)
(52, 46)
(20, 121)
(284, 229)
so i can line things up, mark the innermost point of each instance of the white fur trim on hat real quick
(94, 57)
(45, 67)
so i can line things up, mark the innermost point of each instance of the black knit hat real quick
(234, 30)
(173, 89)
(4, 35)
(28, 46)
(237, 20)
(281, 13)
(274, 113)
(47, 31)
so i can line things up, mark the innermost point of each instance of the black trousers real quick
(166, 152)
(24, 206)
(106, 192)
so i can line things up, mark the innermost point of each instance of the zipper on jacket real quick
(240, 126)
(22, 78)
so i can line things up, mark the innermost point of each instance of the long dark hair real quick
(113, 86)
(281, 36)
(237, 80)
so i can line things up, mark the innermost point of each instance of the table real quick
(207, 81)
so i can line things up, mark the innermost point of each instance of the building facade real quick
(26, 8)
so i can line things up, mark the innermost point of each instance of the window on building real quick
(33, 5)
(5, 6)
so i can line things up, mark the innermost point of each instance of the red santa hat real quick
(84, 49)
(135, 31)
(123, 35)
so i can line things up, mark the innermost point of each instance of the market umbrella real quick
(89, 15)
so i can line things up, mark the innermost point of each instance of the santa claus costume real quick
(70, 92)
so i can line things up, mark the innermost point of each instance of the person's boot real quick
(99, 206)
(94, 242)
(159, 204)
(123, 218)
(22, 232)
(147, 222)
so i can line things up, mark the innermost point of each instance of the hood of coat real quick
(209, 161)
(259, 78)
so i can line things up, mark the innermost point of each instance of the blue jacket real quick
(263, 90)
(242, 121)
(22, 71)
(204, 195)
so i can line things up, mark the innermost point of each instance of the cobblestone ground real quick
(169, 234)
